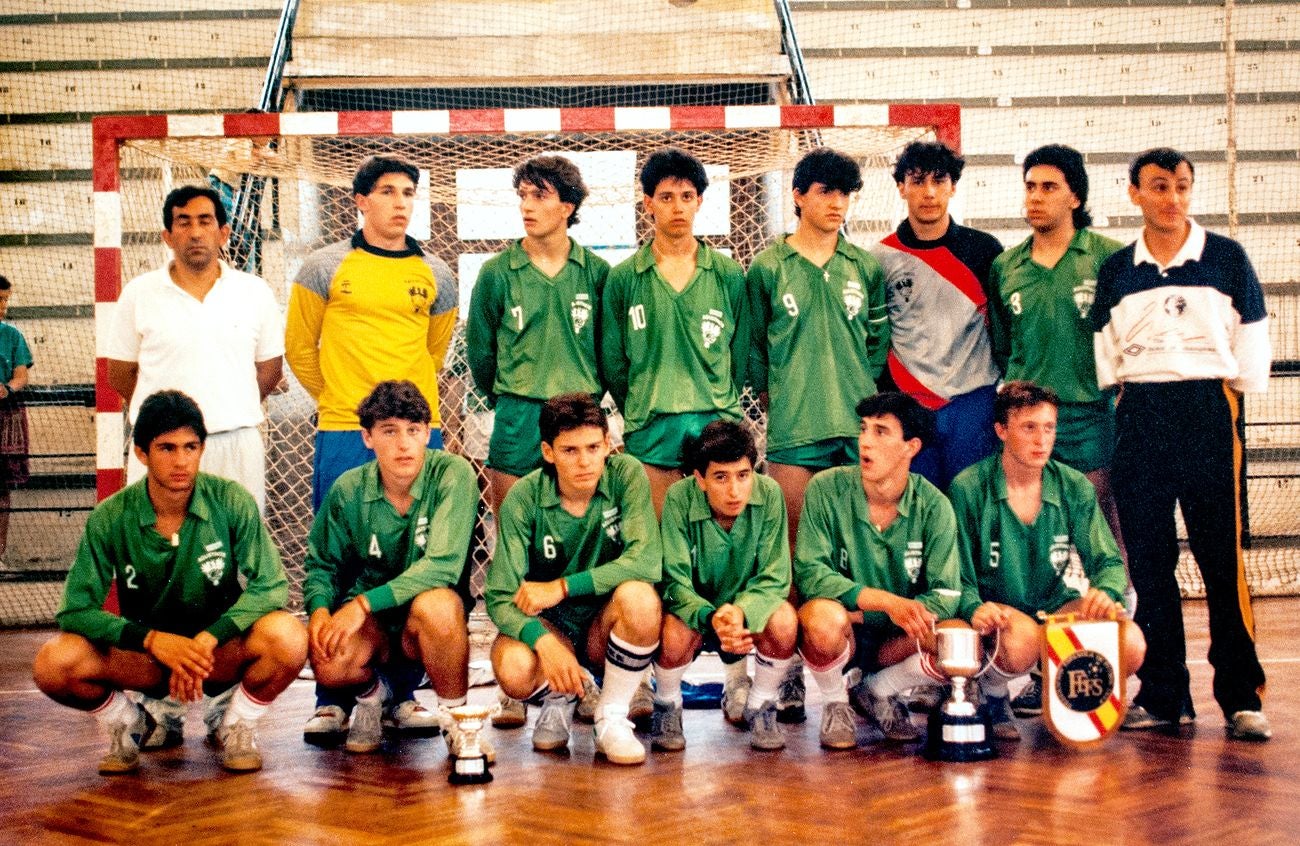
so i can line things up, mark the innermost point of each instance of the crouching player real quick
(1018, 514)
(876, 561)
(176, 543)
(726, 579)
(386, 579)
(572, 581)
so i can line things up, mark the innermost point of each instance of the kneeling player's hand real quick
(189, 659)
(912, 617)
(1097, 605)
(345, 623)
(532, 598)
(729, 624)
(316, 624)
(559, 666)
(988, 617)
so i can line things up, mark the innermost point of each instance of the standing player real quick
(1181, 327)
(675, 331)
(876, 562)
(725, 588)
(363, 310)
(532, 330)
(532, 326)
(200, 585)
(386, 578)
(937, 279)
(199, 326)
(572, 582)
(15, 360)
(1018, 514)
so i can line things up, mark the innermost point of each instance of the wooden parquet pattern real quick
(1193, 787)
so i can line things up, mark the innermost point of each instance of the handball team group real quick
(947, 422)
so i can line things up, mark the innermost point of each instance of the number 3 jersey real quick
(616, 540)
(183, 585)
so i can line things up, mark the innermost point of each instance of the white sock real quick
(768, 673)
(668, 684)
(450, 702)
(625, 666)
(378, 692)
(994, 682)
(244, 707)
(906, 674)
(830, 678)
(736, 669)
(115, 710)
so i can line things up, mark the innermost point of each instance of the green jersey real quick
(821, 335)
(706, 566)
(1040, 329)
(839, 551)
(532, 335)
(359, 544)
(1003, 560)
(615, 541)
(667, 352)
(185, 584)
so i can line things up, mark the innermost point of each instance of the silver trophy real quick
(463, 725)
(957, 729)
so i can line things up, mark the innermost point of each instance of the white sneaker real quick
(513, 713)
(617, 741)
(124, 744)
(366, 731)
(554, 723)
(326, 724)
(239, 752)
(411, 717)
(165, 723)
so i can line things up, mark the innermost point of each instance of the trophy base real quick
(470, 771)
(958, 738)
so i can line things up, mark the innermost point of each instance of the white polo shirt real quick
(205, 349)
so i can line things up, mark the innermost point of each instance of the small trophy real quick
(463, 724)
(957, 730)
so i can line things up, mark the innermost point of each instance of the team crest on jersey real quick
(612, 522)
(419, 294)
(711, 327)
(913, 558)
(212, 562)
(1060, 553)
(421, 531)
(580, 311)
(1084, 293)
(853, 298)
(902, 288)
(1175, 305)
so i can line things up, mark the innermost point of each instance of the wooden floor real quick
(1194, 787)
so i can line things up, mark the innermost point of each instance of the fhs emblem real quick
(711, 327)
(852, 298)
(1084, 293)
(580, 311)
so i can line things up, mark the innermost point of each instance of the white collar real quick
(1190, 250)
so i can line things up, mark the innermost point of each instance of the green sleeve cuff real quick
(581, 584)
(532, 632)
(316, 603)
(223, 629)
(380, 598)
(849, 599)
(132, 637)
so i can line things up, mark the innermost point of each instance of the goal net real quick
(289, 176)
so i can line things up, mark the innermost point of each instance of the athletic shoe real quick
(513, 713)
(456, 741)
(839, 730)
(214, 712)
(1140, 719)
(666, 727)
(1029, 702)
(124, 745)
(642, 706)
(1249, 725)
(589, 701)
(366, 730)
(923, 699)
(412, 718)
(884, 712)
(239, 752)
(164, 724)
(554, 723)
(791, 695)
(616, 740)
(735, 693)
(764, 729)
(998, 710)
(326, 726)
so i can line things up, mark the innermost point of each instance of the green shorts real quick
(1085, 435)
(516, 444)
(573, 618)
(659, 442)
(819, 455)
